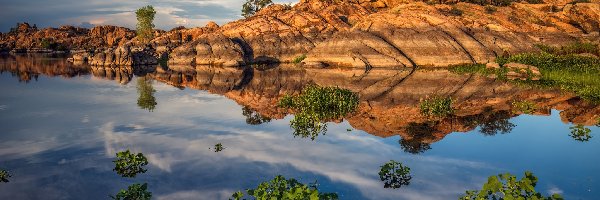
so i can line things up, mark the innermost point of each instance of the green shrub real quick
(455, 11)
(4, 175)
(574, 48)
(394, 175)
(316, 104)
(523, 106)
(299, 59)
(490, 9)
(506, 186)
(134, 192)
(282, 188)
(129, 165)
(580, 133)
(438, 107)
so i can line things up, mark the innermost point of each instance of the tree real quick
(145, 25)
(134, 192)
(282, 188)
(252, 6)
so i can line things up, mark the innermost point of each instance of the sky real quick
(88, 13)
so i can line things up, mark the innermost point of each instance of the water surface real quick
(61, 125)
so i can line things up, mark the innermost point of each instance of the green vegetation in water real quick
(129, 165)
(145, 23)
(253, 117)
(146, 100)
(506, 186)
(317, 104)
(571, 72)
(436, 106)
(394, 175)
(282, 188)
(251, 7)
(134, 192)
(219, 147)
(4, 175)
(479, 69)
(580, 133)
(299, 59)
(523, 106)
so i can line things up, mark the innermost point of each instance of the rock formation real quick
(354, 33)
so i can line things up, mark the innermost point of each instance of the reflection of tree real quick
(417, 133)
(253, 117)
(580, 133)
(496, 123)
(394, 175)
(129, 165)
(134, 192)
(146, 100)
(315, 106)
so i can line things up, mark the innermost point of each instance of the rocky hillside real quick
(355, 33)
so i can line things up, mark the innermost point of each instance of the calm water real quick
(61, 125)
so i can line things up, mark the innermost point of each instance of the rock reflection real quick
(388, 99)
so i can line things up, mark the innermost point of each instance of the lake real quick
(61, 125)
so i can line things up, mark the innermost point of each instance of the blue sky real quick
(170, 13)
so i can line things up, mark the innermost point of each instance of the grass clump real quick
(574, 48)
(315, 105)
(438, 107)
(578, 74)
(523, 106)
(299, 59)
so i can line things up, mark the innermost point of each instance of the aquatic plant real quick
(506, 186)
(580, 133)
(253, 117)
(394, 175)
(523, 106)
(145, 23)
(4, 175)
(317, 104)
(436, 106)
(129, 165)
(299, 59)
(219, 147)
(282, 188)
(134, 192)
(146, 100)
